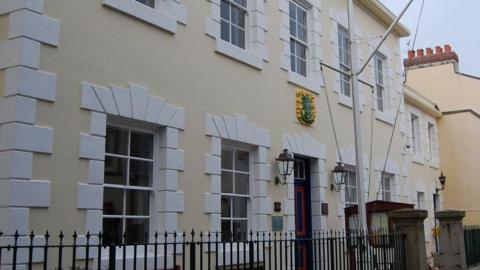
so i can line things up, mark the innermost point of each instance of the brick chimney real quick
(442, 55)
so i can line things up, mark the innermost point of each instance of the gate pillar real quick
(410, 222)
(451, 253)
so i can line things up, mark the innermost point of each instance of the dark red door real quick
(302, 213)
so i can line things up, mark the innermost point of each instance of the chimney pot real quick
(411, 54)
(438, 49)
(420, 53)
(429, 51)
(448, 48)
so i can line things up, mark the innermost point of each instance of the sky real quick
(454, 22)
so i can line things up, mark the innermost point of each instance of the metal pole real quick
(357, 124)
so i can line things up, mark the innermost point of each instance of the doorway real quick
(303, 218)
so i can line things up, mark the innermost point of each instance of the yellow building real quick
(435, 75)
(139, 116)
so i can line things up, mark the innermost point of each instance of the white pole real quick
(357, 123)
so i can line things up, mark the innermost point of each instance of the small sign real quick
(277, 206)
(277, 223)
(306, 108)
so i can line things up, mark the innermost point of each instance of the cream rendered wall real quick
(102, 46)
(458, 132)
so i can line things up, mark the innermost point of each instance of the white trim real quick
(24, 87)
(135, 104)
(236, 129)
(164, 16)
(256, 51)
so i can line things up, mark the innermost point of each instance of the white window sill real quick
(144, 13)
(386, 117)
(129, 255)
(239, 54)
(417, 159)
(345, 100)
(313, 85)
(233, 251)
(434, 164)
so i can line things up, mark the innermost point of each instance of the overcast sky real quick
(454, 22)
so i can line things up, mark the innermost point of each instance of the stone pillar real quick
(410, 222)
(451, 254)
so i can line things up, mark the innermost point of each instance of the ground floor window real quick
(351, 187)
(128, 187)
(386, 188)
(235, 188)
(420, 200)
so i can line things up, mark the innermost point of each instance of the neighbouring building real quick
(145, 115)
(435, 74)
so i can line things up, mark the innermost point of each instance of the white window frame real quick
(386, 189)
(230, 22)
(237, 146)
(351, 174)
(345, 60)
(165, 14)
(421, 204)
(295, 56)
(431, 140)
(380, 85)
(415, 133)
(155, 168)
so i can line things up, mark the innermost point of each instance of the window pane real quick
(301, 16)
(226, 230)
(240, 207)
(292, 11)
(116, 141)
(136, 231)
(241, 183)
(149, 3)
(112, 201)
(226, 206)
(138, 202)
(238, 17)
(227, 182)
(242, 3)
(292, 46)
(301, 51)
(293, 28)
(227, 159)
(302, 33)
(241, 161)
(141, 145)
(238, 37)
(240, 230)
(302, 67)
(141, 173)
(293, 63)
(225, 10)
(225, 31)
(112, 231)
(115, 170)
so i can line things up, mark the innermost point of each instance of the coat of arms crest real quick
(306, 110)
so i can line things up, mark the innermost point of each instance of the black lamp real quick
(443, 180)
(284, 166)
(339, 175)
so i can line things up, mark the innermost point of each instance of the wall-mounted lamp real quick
(339, 176)
(443, 180)
(284, 167)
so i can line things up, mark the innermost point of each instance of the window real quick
(345, 59)
(351, 187)
(386, 189)
(420, 200)
(299, 169)
(148, 3)
(233, 15)
(298, 38)
(235, 189)
(415, 133)
(379, 83)
(128, 186)
(431, 140)
(436, 202)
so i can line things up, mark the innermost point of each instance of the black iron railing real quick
(472, 244)
(330, 250)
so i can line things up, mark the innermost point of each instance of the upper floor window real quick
(415, 125)
(420, 200)
(128, 187)
(386, 189)
(298, 38)
(233, 14)
(235, 189)
(379, 82)
(148, 3)
(351, 187)
(431, 140)
(345, 59)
